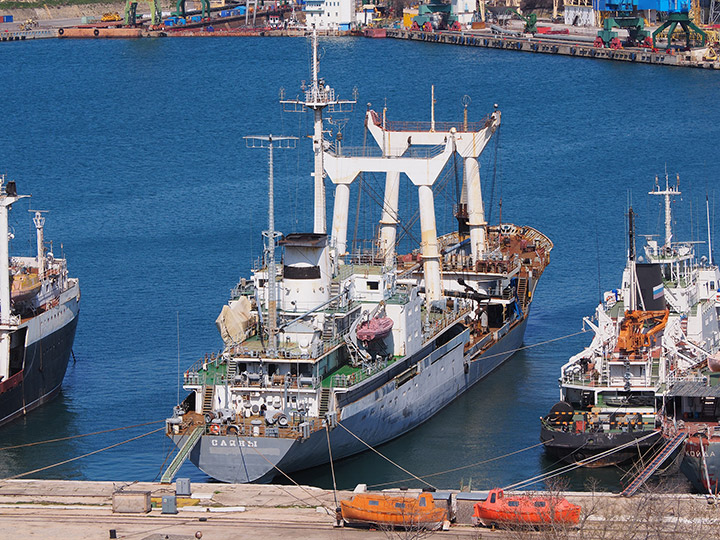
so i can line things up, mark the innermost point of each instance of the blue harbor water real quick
(136, 149)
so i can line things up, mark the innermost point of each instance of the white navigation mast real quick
(8, 322)
(667, 192)
(271, 143)
(39, 221)
(318, 97)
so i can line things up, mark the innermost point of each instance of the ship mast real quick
(8, 322)
(39, 222)
(707, 211)
(318, 97)
(666, 193)
(271, 143)
(631, 259)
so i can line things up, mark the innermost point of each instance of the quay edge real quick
(83, 509)
(547, 45)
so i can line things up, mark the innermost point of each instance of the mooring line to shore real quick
(78, 436)
(385, 457)
(322, 503)
(483, 462)
(84, 455)
(576, 465)
(513, 351)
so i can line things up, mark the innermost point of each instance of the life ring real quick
(96, 32)
(214, 429)
(61, 31)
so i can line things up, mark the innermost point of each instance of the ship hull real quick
(49, 341)
(381, 414)
(575, 447)
(695, 460)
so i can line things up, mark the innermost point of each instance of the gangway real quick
(182, 454)
(670, 446)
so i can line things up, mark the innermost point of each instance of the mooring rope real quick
(78, 436)
(332, 466)
(511, 351)
(577, 465)
(483, 462)
(83, 456)
(385, 457)
(278, 469)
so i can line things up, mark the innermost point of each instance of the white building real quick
(330, 14)
(464, 11)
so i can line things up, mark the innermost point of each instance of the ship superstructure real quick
(652, 333)
(39, 308)
(337, 350)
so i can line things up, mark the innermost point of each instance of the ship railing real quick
(690, 377)
(258, 426)
(472, 127)
(438, 325)
(417, 152)
(347, 381)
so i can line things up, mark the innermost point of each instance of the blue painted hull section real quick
(377, 416)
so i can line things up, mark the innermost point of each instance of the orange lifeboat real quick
(499, 509)
(403, 510)
(375, 328)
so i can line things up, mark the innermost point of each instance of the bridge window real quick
(373, 285)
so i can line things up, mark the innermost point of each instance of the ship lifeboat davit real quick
(714, 363)
(388, 510)
(501, 509)
(376, 328)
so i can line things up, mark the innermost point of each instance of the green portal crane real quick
(131, 12)
(681, 18)
(180, 9)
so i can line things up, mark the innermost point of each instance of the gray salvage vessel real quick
(363, 347)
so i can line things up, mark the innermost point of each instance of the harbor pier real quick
(85, 509)
(547, 44)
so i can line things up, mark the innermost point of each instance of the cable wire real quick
(82, 456)
(386, 458)
(78, 436)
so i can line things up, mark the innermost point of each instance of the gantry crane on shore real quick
(131, 12)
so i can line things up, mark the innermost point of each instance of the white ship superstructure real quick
(659, 328)
(39, 308)
(362, 345)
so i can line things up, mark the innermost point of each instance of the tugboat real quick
(333, 351)
(39, 307)
(656, 330)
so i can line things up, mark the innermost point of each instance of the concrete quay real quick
(84, 510)
(548, 44)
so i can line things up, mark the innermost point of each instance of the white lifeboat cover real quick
(234, 321)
